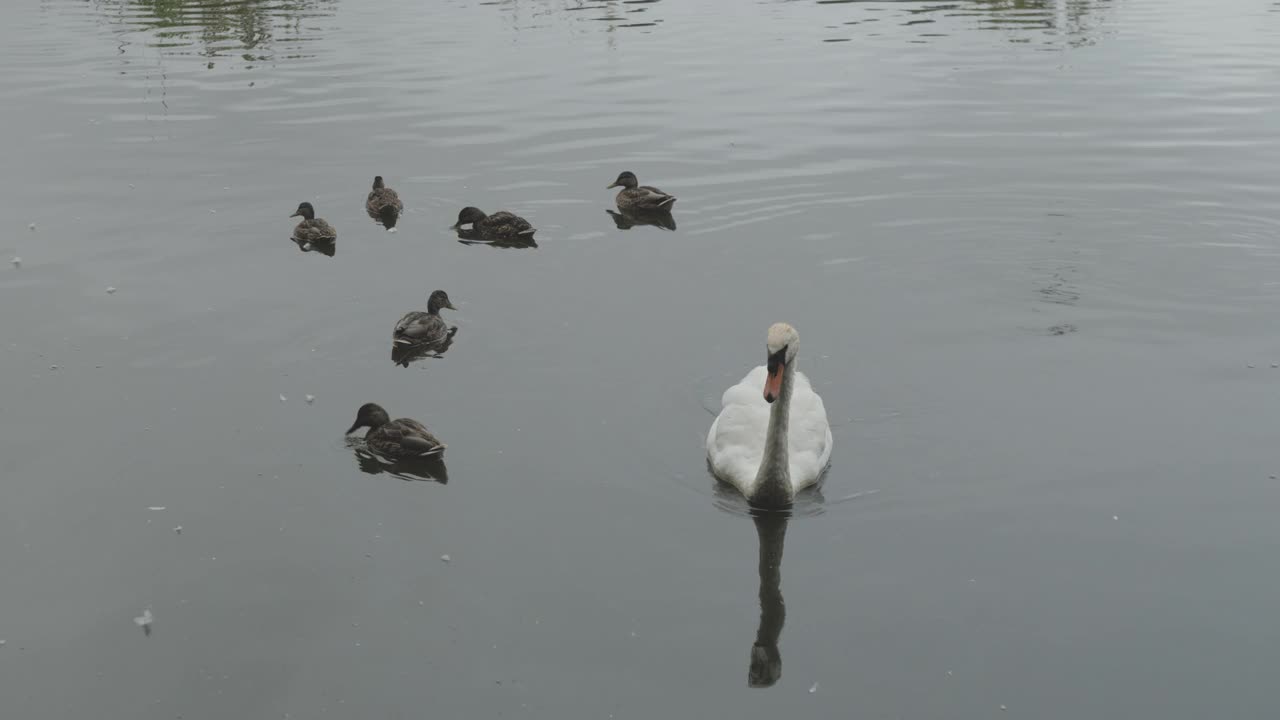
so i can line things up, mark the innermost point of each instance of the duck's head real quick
(626, 179)
(782, 345)
(439, 300)
(370, 415)
(377, 183)
(469, 216)
(305, 211)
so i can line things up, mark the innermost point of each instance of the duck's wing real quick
(508, 224)
(421, 327)
(393, 199)
(383, 198)
(316, 229)
(414, 438)
(649, 196)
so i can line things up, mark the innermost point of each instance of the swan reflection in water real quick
(403, 354)
(765, 668)
(471, 236)
(426, 469)
(628, 219)
(328, 248)
(766, 660)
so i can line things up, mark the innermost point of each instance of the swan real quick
(771, 438)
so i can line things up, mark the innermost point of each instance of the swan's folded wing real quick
(734, 444)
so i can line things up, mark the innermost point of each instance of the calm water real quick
(1032, 248)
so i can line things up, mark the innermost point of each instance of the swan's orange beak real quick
(773, 382)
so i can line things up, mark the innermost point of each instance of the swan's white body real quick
(738, 445)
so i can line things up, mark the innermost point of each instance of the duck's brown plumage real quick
(425, 328)
(395, 439)
(501, 225)
(637, 197)
(382, 200)
(312, 229)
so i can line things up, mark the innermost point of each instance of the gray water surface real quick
(1032, 249)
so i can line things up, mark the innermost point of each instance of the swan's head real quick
(782, 345)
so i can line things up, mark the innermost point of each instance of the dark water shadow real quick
(625, 220)
(403, 354)
(469, 236)
(423, 469)
(328, 248)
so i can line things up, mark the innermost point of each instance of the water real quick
(1031, 248)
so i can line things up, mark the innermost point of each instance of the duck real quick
(635, 196)
(772, 438)
(312, 229)
(501, 225)
(395, 439)
(425, 328)
(383, 204)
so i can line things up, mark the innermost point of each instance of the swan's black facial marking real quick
(776, 359)
(773, 383)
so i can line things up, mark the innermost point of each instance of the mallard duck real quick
(312, 229)
(635, 196)
(395, 439)
(383, 204)
(425, 328)
(501, 225)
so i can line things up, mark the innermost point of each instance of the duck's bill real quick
(608, 187)
(352, 429)
(296, 215)
(773, 382)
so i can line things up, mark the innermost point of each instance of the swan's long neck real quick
(773, 481)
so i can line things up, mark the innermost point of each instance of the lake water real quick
(1032, 248)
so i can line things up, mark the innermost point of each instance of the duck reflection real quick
(328, 248)
(471, 236)
(403, 354)
(627, 219)
(766, 660)
(424, 469)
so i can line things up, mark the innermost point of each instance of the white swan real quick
(771, 438)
